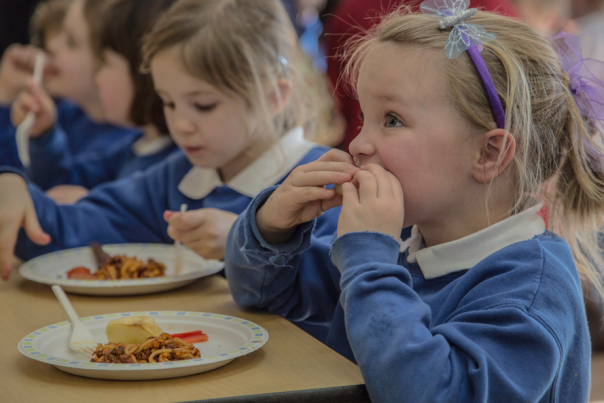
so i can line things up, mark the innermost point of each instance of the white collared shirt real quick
(263, 172)
(467, 252)
(144, 147)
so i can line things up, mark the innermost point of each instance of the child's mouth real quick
(192, 150)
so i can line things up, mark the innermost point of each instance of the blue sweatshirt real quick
(131, 209)
(74, 130)
(497, 316)
(53, 164)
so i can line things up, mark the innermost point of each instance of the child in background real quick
(233, 103)
(69, 77)
(482, 303)
(128, 100)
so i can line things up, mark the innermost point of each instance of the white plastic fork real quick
(24, 129)
(178, 252)
(81, 339)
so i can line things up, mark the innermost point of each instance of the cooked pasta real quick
(121, 267)
(162, 348)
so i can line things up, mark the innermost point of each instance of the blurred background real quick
(323, 26)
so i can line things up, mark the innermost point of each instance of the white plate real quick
(53, 267)
(229, 338)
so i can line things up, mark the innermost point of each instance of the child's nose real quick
(183, 126)
(361, 146)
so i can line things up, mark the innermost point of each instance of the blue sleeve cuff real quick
(6, 169)
(47, 138)
(278, 254)
(360, 248)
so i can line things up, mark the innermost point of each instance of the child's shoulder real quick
(539, 276)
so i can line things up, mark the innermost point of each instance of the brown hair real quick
(240, 47)
(48, 16)
(552, 138)
(125, 24)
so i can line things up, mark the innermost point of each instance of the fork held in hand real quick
(81, 339)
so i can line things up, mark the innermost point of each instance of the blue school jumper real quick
(73, 131)
(131, 209)
(52, 164)
(497, 316)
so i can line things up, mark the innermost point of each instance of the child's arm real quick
(491, 348)
(129, 210)
(264, 248)
(293, 279)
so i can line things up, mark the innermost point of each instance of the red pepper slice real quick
(187, 334)
(196, 336)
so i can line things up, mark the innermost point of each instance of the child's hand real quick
(35, 99)
(376, 207)
(16, 69)
(16, 211)
(67, 194)
(204, 231)
(302, 197)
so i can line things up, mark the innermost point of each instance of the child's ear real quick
(496, 151)
(279, 97)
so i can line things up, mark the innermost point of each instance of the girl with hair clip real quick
(467, 115)
(233, 104)
(128, 100)
(66, 30)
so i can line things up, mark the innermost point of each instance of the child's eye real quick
(169, 105)
(361, 117)
(393, 121)
(205, 108)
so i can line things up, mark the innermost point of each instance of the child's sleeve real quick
(269, 276)
(484, 352)
(128, 210)
(52, 162)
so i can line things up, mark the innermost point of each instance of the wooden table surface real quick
(291, 360)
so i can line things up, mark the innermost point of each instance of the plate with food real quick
(147, 345)
(121, 269)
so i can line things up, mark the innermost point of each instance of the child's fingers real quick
(8, 239)
(189, 220)
(397, 189)
(367, 186)
(384, 186)
(320, 178)
(343, 167)
(337, 155)
(32, 228)
(310, 194)
(350, 193)
(328, 204)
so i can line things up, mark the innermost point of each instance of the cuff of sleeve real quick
(6, 169)
(44, 139)
(299, 242)
(359, 248)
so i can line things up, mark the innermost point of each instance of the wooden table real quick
(290, 361)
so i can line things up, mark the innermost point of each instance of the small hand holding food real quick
(16, 69)
(377, 206)
(302, 197)
(16, 211)
(204, 231)
(34, 99)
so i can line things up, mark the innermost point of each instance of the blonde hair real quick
(48, 16)
(552, 138)
(240, 47)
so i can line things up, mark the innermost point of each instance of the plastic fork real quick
(178, 252)
(23, 130)
(81, 339)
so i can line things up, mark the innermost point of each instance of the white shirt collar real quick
(144, 147)
(263, 172)
(467, 252)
